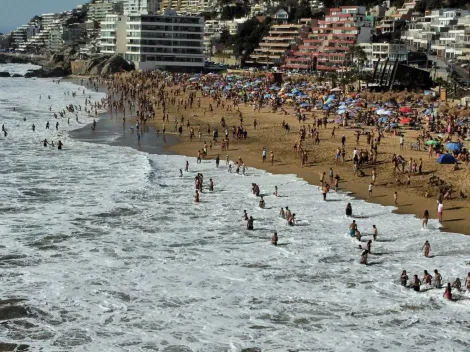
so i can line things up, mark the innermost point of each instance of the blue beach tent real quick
(446, 159)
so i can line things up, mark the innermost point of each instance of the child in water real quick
(274, 239)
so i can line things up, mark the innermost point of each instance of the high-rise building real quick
(141, 7)
(166, 41)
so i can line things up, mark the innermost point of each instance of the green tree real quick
(303, 10)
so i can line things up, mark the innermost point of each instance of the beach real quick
(270, 134)
(103, 246)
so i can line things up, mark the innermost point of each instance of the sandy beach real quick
(270, 134)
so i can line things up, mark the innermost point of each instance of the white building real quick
(113, 35)
(141, 7)
(383, 51)
(98, 10)
(166, 41)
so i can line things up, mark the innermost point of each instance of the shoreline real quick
(383, 196)
(409, 202)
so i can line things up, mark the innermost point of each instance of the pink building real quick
(327, 47)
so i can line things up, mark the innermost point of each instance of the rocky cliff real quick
(66, 63)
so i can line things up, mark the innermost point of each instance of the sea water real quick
(110, 252)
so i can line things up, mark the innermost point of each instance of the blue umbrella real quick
(454, 147)
(266, 96)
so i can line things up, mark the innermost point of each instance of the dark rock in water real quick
(251, 349)
(47, 72)
(16, 75)
(13, 347)
(13, 312)
(11, 301)
(4, 74)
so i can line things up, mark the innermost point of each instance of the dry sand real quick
(270, 134)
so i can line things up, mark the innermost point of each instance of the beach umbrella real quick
(405, 120)
(432, 142)
(304, 105)
(266, 96)
(405, 109)
(454, 147)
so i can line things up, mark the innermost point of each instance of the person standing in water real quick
(404, 278)
(249, 223)
(348, 210)
(34, 127)
(440, 209)
(395, 198)
(211, 185)
(425, 219)
(448, 292)
(427, 248)
(60, 145)
(416, 285)
(217, 161)
(374, 232)
(187, 166)
(196, 197)
(274, 239)
(275, 191)
(364, 257)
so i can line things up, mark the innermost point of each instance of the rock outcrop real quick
(4, 74)
(100, 65)
(16, 75)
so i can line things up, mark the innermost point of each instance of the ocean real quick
(110, 253)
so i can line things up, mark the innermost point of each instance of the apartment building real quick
(141, 7)
(98, 10)
(328, 44)
(24, 33)
(280, 42)
(61, 36)
(444, 31)
(383, 51)
(112, 39)
(167, 41)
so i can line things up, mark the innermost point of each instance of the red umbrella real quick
(405, 120)
(405, 109)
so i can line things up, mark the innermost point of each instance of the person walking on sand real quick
(425, 219)
(374, 176)
(395, 198)
(272, 158)
(370, 190)
(427, 248)
(263, 155)
(440, 209)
